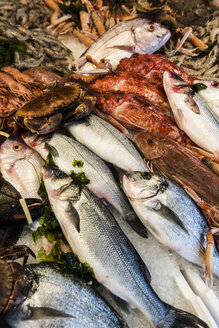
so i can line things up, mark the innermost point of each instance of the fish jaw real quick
(36, 142)
(149, 37)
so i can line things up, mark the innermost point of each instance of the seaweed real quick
(73, 9)
(8, 48)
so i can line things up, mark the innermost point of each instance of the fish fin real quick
(180, 319)
(169, 215)
(53, 150)
(190, 102)
(146, 273)
(124, 305)
(137, 226)
(123, 47)
(46, 313)
(74, 216)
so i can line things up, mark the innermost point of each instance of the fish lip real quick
(143, 198)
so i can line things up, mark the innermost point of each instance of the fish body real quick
(102, 183)
(210, 95)
(191, 113)
(60, 300)
(169, 214)
(107, 142)
(96, 238)
(122, 40)
(178, 163)
(21, 166)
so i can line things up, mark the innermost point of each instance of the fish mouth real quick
(141, 199)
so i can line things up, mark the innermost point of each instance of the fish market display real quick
(21, 166)
(191, 113)
(97, 239)
(136, 35)
(107, 142)
(64, 150)
(59, 300)
(169, 214)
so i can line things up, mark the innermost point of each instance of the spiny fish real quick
(55, 299)
(169, 214)
(64, 150)
(21, 166)
(96, 238)
(122, 40)
(191, 113)
(107, 142)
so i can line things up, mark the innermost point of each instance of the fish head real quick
(149, 36)
(149, 144)
(59, 185)
(180, 97)
(143, 185)
(209, 91)
(37, 142)
(13, 150)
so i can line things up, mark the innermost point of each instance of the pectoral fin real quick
(73, 215)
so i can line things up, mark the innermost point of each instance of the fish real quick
(169, 214)
(191, 113)
(58, 300)
(107, 142)
(21, 166)
(209, 92)
(96, 238)
(64, 150)
(125, 38)
(178, 163)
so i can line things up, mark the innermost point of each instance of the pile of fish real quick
(116, 192)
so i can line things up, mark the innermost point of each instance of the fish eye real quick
(150, 142)
(17, 147)
(151, 27)
(215, 84)
(146, 175)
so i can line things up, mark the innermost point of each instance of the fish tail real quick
(181, 319)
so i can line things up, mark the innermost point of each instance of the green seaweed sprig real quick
(8, 48)
(73, 9)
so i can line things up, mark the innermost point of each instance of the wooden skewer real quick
(194, 40)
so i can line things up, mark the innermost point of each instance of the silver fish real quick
(57, 300)
(21, 166)
(169, 214)
(210, 95)
(64, 150)
(191, 113)
(96, 238)
(107, 142)
(122, 40)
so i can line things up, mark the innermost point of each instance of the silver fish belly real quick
(107, 142)
(122, 40)
(21, 166)
(96, 238)
(60, 300)
(169, 214)
(191, 113)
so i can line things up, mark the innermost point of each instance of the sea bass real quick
(107, 142)
(96, 238)
(122, 40)
(191, 113)
(21, 166)
(60, 300)
(169, 214)
(64, 150)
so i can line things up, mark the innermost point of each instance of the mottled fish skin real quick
(138, 35)
(210, 95)
(60, 300)
(102, 183)
(96, 238)
(169, 214)
(21, 166)
(107, 142)
(191, 113)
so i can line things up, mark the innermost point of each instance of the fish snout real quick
(163, 185)
(47, 172)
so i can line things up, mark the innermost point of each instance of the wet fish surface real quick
(169, 214)
(64, 150)
(122, 40)
(96, 238)
(59, 300)
(107, 142)
(191, 113)
(21, 166)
